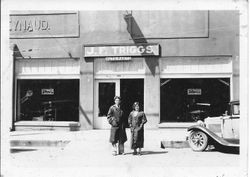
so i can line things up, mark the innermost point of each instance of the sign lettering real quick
(47, 91)
(194, 91)
(118, 58)
(44, 25)
(29, 26)
(129, 50)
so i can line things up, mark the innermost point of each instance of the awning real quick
(45, 51)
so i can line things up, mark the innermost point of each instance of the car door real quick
(231, 123)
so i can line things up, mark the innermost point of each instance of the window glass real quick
(189, 100)
(106, 97)
(236, 109)
(48, 100)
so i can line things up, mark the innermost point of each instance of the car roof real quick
(235, 102)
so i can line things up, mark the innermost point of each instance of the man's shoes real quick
(122, 153)
(114, 153)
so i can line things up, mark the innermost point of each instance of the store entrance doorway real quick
(130, 90)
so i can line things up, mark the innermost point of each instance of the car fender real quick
(212, 135)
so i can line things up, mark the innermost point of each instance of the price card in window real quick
(49, 91)
(194, 91)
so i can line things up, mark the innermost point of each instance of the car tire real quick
(198, 141)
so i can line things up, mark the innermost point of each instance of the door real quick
(105, 91)
(132, 90)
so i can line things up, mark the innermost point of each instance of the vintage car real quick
(221, 132)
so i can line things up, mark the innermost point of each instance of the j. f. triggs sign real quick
(125, 50)
(44, 25)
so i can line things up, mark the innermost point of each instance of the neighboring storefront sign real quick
(125, 50)
(49, 91)
(118, 58)
(194, 91)
(44, 25)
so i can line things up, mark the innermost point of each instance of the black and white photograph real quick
(125, 89)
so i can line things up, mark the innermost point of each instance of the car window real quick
(236, 109)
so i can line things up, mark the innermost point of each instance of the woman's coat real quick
(137, 129)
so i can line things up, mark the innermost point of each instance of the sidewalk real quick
(89, 154)
(154, 138)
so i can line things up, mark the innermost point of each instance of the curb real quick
(38, 143)
(174, 144)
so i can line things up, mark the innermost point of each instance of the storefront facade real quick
(180, 65)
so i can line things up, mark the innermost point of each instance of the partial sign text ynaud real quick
(44, 25)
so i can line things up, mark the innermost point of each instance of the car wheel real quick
(198, 140)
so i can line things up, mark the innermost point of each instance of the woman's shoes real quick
(134, 153)
(139, 151)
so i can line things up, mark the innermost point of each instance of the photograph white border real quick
(8, 5)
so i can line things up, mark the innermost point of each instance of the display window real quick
(47, 100)
(189, 100)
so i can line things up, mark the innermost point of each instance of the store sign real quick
(118, 58)
(47, 91)
(128, 50)
(44, 25)
(194, 91)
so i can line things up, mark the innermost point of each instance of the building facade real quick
(68, 66)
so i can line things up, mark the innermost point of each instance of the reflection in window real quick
(106, 96)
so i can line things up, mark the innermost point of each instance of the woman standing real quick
(118, 128)
(136, 121)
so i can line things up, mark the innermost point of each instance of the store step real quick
(46, 125)
(14, 144)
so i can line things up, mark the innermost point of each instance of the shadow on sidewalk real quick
(27, 134)
(21, 150)
(225, 150)
(149, 152)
